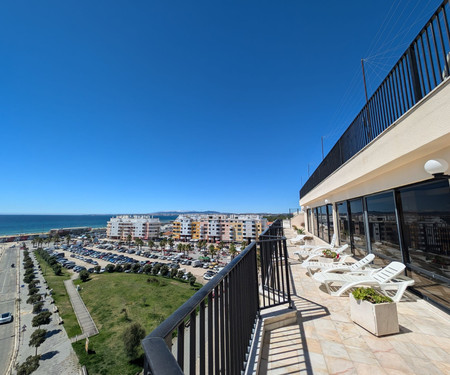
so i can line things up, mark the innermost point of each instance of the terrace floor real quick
(325, 340)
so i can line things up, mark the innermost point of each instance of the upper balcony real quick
(422, 68)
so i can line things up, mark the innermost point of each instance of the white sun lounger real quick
(319, 253)
(299, 239)
(318, 250)
(339, 266)
(385, 279)
(330, 246)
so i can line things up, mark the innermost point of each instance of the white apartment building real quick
(138, 226)
(215, 228)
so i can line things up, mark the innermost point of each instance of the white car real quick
(5, 318)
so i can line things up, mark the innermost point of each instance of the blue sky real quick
(143, 106)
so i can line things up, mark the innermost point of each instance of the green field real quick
(60, 296)
(116, 300)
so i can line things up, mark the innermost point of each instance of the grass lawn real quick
(115, 300)
(60, 296)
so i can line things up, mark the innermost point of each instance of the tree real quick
(187, 249)
(232, 251)
(129, 239)
(127, 266)
(30, 365)
(37, 338)
(180, 274)
(37, 307)
(33, 284)
(192, 280)
(118, 268)
(67, 238)
(156, 269)
(164, 270)
(97, 269)
(170, 242)
(34, 298)
(212, 250)
(243, 245)
(147, 269)
(150, 244)
(109, 268)
(29, 278)
(180, 247)
(41, 319)
(32, 291)
(136, 267)
(139, 243)
(132, 337)
(84, 276)
(173, 272)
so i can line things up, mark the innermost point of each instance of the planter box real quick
(380, 319)
(327, 260)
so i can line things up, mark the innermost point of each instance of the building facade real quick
(138, 226)
(384, 187)
(216, 228)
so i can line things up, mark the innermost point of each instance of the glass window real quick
(357, 231)
(330, 222)
(323, 229)
(315, 228)
(344, 228)
(426, 225)
(383, 231)
(310, 227)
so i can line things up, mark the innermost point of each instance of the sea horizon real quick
(16, 224)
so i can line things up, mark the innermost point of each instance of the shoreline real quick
(22, 234)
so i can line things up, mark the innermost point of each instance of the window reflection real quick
(383, 231)
(358, 235)
(344, 228)
(426, 225)
(330, 222)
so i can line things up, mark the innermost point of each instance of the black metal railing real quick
(212, 332)
(421, 68)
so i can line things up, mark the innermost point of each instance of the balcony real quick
(311, 332)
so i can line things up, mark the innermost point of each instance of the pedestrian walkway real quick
(57, 354)
(85, 320)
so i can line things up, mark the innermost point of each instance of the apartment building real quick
(138, 226)
(215, 228)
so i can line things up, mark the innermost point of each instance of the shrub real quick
(192, 280)
(180, 274)
(147, 269)
(109, 268)
(132, 337)
(370, 295)
(97, 269)
(156, 269)
(29, 278)
(173, 272)
(84, 276)
(136, 267)
(126, 266)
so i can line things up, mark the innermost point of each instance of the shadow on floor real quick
(49, 355)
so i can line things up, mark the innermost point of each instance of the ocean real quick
(24, 224)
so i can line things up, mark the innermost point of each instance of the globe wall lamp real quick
(436, 167)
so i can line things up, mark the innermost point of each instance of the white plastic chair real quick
(385, 278)
(340, 266)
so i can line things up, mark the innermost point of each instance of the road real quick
(8, 284)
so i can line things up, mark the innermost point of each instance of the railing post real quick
(414, 74)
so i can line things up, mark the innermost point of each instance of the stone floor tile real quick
(334, 349)
(313, 345)
(362, 356)
(340, 366)
(330, 335)
(377, 344)
(444, 367)
(317, 362)
(367, 369)
(423, 366)
(392, 361)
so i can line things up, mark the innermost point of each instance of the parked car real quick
(6, 318)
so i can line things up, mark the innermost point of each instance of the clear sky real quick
(143, 106)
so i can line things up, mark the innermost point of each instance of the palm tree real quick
(67, 237)
(129, 239)
(232, 251)
(170, 241)
(212, 250)
(180, 247)
(150, 244)
(139, 243)
(187, 248)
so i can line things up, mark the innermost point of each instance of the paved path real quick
(85, 320)
(57, 354)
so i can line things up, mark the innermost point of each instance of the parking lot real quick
(78, 256)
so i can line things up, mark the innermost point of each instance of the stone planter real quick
(327, 260)
(379, 319)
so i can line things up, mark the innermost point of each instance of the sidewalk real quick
(85, 320)
(57, 354)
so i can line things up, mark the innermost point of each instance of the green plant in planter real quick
(330, 254)
(370, 295)
(300, 231)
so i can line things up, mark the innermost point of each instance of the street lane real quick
(8, 295)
